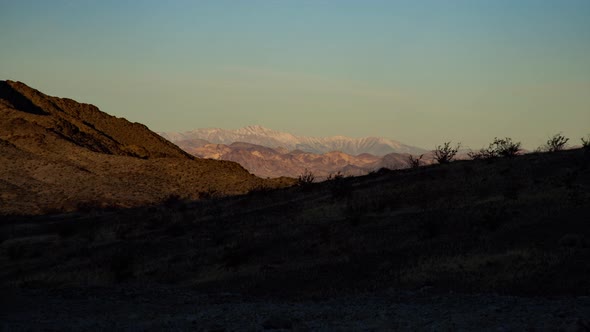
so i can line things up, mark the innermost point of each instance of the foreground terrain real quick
(491, 244)
(127, 308)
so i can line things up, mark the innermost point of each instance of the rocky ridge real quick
(59, 155)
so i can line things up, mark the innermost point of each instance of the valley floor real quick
(141, 308)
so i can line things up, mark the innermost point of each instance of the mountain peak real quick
(256, 128)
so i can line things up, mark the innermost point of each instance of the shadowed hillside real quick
(57, 154)
(512, 226)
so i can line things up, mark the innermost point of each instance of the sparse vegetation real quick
(556, 143)
(306, 178)
(500, 147)
(444, 154)
(484, 153)
(415, 162)
(335, 176)
(586, 142)
(505, 147)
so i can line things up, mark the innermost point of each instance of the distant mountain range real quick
(268, 162)
(270, 153)
(259, 135)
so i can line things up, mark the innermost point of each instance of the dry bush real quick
(556, 143)
(305, 178)
(414, 162)
(484, 153)
(444, 154)
(505, 147)
(336, 176)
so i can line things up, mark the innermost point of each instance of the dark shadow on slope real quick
(19, 101)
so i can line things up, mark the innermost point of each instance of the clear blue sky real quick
(421, 72)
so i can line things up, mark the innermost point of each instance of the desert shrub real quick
(305, 178)
(484, 153)
(586, 142)
(414, 162)
(444, 154)
(500, 147)
(335, 177)
(505, 147)
(556, 143)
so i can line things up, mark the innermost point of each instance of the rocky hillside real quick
(271, 138)
(57, 154)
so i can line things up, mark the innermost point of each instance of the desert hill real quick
(513, 226)
(28, 113)
(58, 154)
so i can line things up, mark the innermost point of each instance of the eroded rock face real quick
(56, 154)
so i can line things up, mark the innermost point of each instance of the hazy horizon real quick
(418, 72)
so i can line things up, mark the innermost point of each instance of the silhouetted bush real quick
(414, 162)
(305, 178)
(505, 147)
(556, 143)
(335, 177)
(586, 142)
(500, 147)
(444, 154)
(484, 153)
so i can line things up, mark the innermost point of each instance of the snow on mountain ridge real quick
(259, 135)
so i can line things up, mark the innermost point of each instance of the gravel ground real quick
(180, 309)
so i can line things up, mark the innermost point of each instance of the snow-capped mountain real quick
(275, 139)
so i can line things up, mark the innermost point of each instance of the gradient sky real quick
(422, 72)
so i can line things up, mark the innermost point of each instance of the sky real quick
(422, 72)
